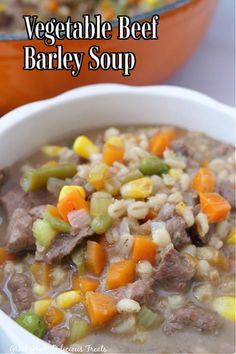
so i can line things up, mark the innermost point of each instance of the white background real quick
(211, 69)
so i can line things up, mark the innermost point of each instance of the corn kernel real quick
(226, 307)
(175, 173)
(116, 141)
(52, 150)
(232, 238)
(138, 189)
(40, 307)
(98, 174)
(69, 299)
(68, 189)
(84, 147)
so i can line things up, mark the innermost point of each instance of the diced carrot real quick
(101, 308)
(41, 272)
(73, 201)
(84, 284)
(203, 181)
(144, 249)
(53, 317)
(112, 153)
(160, 141)
(120, 274)
(95, 257)
(52, 5)
(6, 256)
(214, 206)
(51, 209)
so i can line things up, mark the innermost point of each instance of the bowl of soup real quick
(118, 222)
(182, 24)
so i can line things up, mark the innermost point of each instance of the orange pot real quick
(181, 27)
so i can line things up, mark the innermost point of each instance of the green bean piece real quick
(35, 179)
(152, 165)
(131, 176)
(101, 223)
(32, 323)
(56, 223)
(78, 257)
(148, 319)
(43, 233)
(79, 329)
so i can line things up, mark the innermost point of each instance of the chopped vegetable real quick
(116, 141)
(56, 223)
(33, 323)
(73, 201)
(159, 142)
(120, 274)
(67, 189)
(226, 307)
(152, 165)
(101, 223)
(131, 176)
(101, 308)
(41, 272)
(53, 211)
(95, 257)
(99, 203)
(78, 257)
(41, 306)
(231, 240)
(214, 206)
(84, 284)
(43, 233)
(112, 153)
(99, 173)
(139, 189)
(84, 147)
(79, 329)
(6, 256)
(52, 150)
(112, 186)
(148, 319)
(53, 317)
(203, 181)
(69, 298)
(34, 179)
(144, 249)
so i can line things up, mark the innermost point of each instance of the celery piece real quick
(43, 233)
(101, 223)
(79, 329)
(56, 223)
(78, 257)
(148, 319)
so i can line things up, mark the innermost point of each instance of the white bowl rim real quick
(8, 121)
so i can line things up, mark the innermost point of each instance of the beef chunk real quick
(176, 228)
(62, 246)
(174, 272)
(58, 336)
(194, 316)
(166, 212)
(21, 288)
(19, 233)
(17, 198)
(142, 291)
(227, 190)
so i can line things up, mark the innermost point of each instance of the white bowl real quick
(25, 129)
